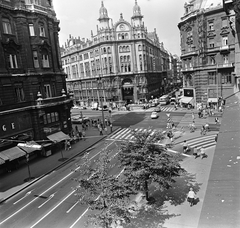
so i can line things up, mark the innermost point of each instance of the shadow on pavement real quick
(129, 119)
(155, 212)
(177, 194)
(150, 217)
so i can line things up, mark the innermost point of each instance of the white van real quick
(164, 100)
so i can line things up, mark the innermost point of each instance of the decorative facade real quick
(207, 50)
(130, 62)
(33, 99)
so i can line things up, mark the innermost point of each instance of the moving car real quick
(154, 115)
(164, 100)
(157, 109)
(79, 119)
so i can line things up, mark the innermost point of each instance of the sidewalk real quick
(12, 183)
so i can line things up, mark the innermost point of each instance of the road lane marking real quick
(52, 209)
(88, 207)
(26, 205)
(27, 194)
(49, 198)
(72, 206)
(36, 198)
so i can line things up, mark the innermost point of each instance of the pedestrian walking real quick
(106, 130)
(202, 153)
(100, 130)
(170, 136)
(67, 145)
(84, 135)
(185, 146)
(193, 116)
(111, 127)
(191, 197)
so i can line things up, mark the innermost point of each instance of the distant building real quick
(130, 61)
(34, 103)
(232, 8)
(207, 51)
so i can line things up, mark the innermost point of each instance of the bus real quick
(165, 99)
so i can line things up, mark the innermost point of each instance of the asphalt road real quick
(51, 202)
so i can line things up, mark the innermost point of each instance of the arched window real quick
(126, 36)
(45, 59)
(139, 35)
(140, 57)
(124, 49)
(122, 68)
(128, 49)
(139, 47)
(129, 67)
(109, 50)
(122, 35)
(119, 36)
(120, 49)
(104, 50)
(121, 59)
(126, 68)
(128, 58)
(109, 59)
(143, 47)
(125, 58)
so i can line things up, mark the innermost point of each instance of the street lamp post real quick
(29, 145)
(101, 103)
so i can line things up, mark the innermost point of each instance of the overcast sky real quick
(79, 17)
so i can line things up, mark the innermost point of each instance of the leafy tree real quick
(148, 163)
(106, 195)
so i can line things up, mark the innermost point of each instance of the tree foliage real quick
(148, 163)
(106, 195)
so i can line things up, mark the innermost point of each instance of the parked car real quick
(173, 101)
(79, 119)
(94, 106)
(154, 115)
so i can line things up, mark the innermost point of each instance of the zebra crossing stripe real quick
(118, 134)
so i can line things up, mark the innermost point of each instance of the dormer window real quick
(7, 29)
(42, 30)
(210, 26)
(45, 59)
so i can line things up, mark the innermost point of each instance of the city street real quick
(45, 203)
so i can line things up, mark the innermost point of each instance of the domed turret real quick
(137, 16)
(103, 17)
(136, 10)
(103, 14)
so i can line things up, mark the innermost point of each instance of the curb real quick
(193, 138)
(57, 167)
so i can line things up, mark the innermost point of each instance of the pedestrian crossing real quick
(126, 134)
(167, 109)
(205, 142)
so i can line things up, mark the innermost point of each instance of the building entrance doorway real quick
(127, 91)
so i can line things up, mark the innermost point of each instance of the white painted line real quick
(72, 207)
(52, 209)
(49, 198)
(27, 194)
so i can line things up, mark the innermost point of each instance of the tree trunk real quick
(146, 190)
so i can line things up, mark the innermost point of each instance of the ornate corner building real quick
(130, 62)
(208, 50)
(33, 99)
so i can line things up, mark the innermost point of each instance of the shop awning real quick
(4, 157)
(2, 161)
(29, 147)
(186, 100)
(213, 100)
(58, 137)
(13, 153)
